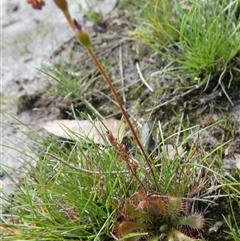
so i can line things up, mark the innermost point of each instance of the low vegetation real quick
(166, 181)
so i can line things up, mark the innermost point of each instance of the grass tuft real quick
(199, 37)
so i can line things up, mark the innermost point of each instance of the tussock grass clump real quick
(200, 37)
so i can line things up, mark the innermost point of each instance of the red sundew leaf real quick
(127, 227)
(179, 236)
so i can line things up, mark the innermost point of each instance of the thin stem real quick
(100, 68)
(69, 19)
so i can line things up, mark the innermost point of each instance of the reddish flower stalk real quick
(84, 39)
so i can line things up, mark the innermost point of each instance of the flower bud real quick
(36, 4)
(82, 35)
